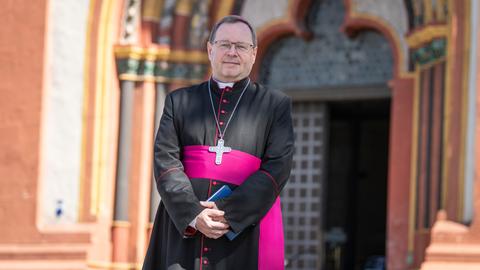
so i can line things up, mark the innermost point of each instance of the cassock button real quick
(221, 123)
(225, 101)
(223, 112)
(205, 249)
(214, 183)
(205, 262)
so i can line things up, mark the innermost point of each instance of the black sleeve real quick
(173, 184)
(251, 201)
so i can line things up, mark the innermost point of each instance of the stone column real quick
(160, 94)
(399, 173)
(121, 221)
(454, 245)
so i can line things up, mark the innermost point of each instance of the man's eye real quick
(225, 45)
(242, 47)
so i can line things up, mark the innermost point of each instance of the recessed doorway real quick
(355, 202)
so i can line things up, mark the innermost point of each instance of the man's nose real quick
(232, 50)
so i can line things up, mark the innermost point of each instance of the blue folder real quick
(223, 192)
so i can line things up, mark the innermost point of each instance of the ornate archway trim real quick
(85, 183)
(100, 158)
(152, 10)
(224, 8)
(355, 22)
(291, 24)
(426, 34)
(458, 84)
(160, 53)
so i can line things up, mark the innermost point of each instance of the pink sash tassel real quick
(271, 244)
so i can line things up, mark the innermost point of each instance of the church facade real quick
(385, 96)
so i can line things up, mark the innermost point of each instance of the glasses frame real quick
(248, 46)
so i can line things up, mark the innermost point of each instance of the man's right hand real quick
(207, 224)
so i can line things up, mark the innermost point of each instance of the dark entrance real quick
(356, 187)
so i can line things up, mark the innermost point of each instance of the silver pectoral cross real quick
(219, 150)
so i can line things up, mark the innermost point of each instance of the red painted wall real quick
(22, 58)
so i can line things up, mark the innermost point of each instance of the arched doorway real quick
(335, 204)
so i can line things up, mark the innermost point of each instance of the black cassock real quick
(260, 135)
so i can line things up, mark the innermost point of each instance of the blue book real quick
(223, 192)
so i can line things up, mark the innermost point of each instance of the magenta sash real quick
(235, 168)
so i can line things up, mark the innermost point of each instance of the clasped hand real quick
(211, 221)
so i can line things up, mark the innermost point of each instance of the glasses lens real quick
(243, 47)
(225, 45)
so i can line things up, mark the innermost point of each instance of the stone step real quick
(450, 266)
(454, 253)
(43, 252)
(43, 265)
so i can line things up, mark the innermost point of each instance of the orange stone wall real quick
(22, 54)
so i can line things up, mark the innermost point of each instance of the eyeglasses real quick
(241, 47)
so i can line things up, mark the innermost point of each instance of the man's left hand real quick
(212, 205)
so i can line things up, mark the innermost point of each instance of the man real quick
(226, 131)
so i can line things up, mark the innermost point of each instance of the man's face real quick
(234, 63)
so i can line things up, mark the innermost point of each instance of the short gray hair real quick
(232, 19)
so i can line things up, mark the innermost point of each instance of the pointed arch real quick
(356, 22)
(293, 24)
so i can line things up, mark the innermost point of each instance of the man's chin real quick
(231, 75)
(231, 70)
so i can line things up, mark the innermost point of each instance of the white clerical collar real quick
(222, 85)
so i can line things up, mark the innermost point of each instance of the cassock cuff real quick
(193, 223)
(191, 230)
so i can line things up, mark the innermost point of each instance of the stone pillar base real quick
(453, 246)
(120, 239)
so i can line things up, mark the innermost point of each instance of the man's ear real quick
(209, 50)
(254, 53)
